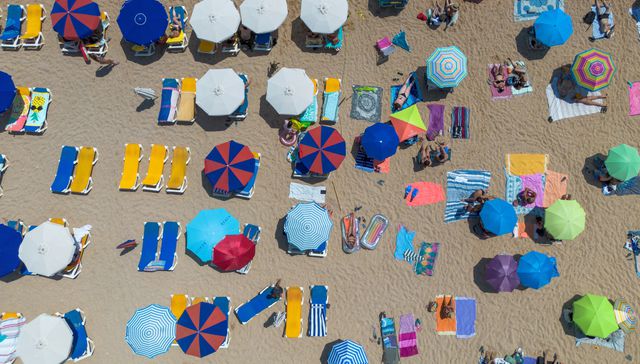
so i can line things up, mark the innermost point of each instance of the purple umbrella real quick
(501, 273)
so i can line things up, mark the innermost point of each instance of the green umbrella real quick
(594, 316)
(564, 220)
(623, 162)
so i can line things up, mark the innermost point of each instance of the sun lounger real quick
(231, 45)
(310, 114)
(130, 178)
(169, 101)
(4, 164)
(179, 303)
(99, 48)
(314, 42)
(301, 171)
(252, 232)
(73, 270)
(180, 42)
(13, 27)
(171, 232)
(318, 311)
(66, 166)
(154, 180)
(206, 47)
(150, 239)
(82, 182)
(247, 191)
(338, 46)
(398, 4)
(241, 112)
(263, 42)
(390, 351)
(144, 50)
(37, 118)
(385, 46)
(19, 110)
(187, 104)
(177, 182)
(199, 299)
(32, 37)
(408, 335)
(82, 346)
(224, 303)
(331, 99)
(293, 325)
(250, 309)
(16, 225)
(10, 325)
(320, 252)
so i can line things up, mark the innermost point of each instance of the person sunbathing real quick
(591, 100)
(602, 14)
(497, 72)
(403, 94)
(276, 291)
(175, 27)
(423, 158)
(244, 34)
(518, 70)
(441, 152)
(565, 82)
(435, 15)
(451, 12)
(526, 197)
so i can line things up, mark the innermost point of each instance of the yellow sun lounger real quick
(82, 182)
(187, 104)
(154, 180)
(179, 303)
(293, 327)
(196, 300)
(177, 182)
(59, 220)
(32, 37)
(180, 42)
(206, 47)
(75, 267)
(130, 178)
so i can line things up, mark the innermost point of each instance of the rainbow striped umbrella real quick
(201, 329)
(75, 19)
(229, 166)
(447, 67)
(593, 69)
(625, 315)
(322, 150)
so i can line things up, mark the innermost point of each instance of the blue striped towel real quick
(461, 184)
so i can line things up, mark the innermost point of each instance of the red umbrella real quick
(233, 252)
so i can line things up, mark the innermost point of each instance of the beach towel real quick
(615, 341)
(426, 262)
(560, 109)
(404, 242)
(436, 121)
(169, 100)
(445, 326)
(390, 353)
(461, 184)
(629, 187)
(596, 32)
(400, 40)
(523, 90)
(635, 14)
(414, 97)
(427, 193)
(526, 164)
(511, 191)
(534, 182)
(465, 317)
(310, 114)
(634, 98)
(381, 166)
(9, 332)
(40, 100)
(19, 110)
(302, 192)
(366, 103)
(363, 162)
(407, 336)
(555, 186)
(530, 360)
(495, 94)
(460, 123)
(524, 10)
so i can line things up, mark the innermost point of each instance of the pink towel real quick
(634, 98)
(534, 182)
(506, 93)
(407, 338)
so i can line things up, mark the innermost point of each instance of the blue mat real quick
(461, 184)
(595, 27)
(524, 10)
(415, 96)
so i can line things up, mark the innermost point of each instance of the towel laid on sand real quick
(555, 186)
(407, 336)
(445, 326)
(560, 109)
(436, 121)
(307, 193)
(465, 317)
(634, 98)
(366, 103)
(426, 262)
(461, 184)
(524, 10)
(596, 32)
(511, 191)
(495, 93)
(526, 164)
(404, 242)
(428, 193)
(460, 123)
(534, 182)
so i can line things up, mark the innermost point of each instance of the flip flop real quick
(414, 193)
(407, 190)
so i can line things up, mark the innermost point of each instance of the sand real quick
(96, 109)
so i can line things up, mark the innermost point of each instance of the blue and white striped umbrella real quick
(307, 226)
(447, 67)
(347, 352)
(151, 331)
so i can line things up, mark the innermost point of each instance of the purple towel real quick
(436, 121)
(535, 183)
(465, 317)
(530, 360)
(407, 338)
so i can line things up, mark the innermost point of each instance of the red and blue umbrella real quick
(201, 329)
(322, 150)
(229, 166)
(75, 19)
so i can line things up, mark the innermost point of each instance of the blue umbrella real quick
(553, 27)
(142, 21)
(347, 352)
(151, 331)
(207, 229)
(11, 240)
(7, 91)
(498, 216)
(380, 141)
(536, 270)
(307, 226)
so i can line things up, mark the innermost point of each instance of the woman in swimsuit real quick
(424, 159)
(498, 78)
(175, 27)
(405, 90)
(602, 12)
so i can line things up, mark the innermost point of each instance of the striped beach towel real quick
(461, 184)
(9, 331)
(460, 123)
(317, 320)
(560, 109)
(407, 336)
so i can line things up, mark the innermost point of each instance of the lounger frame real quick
(137, 183)
(183, 187)
(89, 186)
(90, 344)
(160, 184)
(301, 316)
(184, 43)
(175, 254)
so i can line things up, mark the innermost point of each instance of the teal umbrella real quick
(623, 162)
(207, 229)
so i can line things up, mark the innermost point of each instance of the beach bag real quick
(589, 18)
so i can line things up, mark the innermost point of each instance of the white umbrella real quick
(220, 92)
(290, 91)
(324, 16)
(45, 340)
(263, 16)
(47, 249)
(215, 20)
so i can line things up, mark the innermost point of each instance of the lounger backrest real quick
(319, 295)
(223, 304)
(13, 24)
(263, 39)
(169, 99)
(170, 233)
(80, 345)
(178, 167)
(252, 181)
(252, 232)
(149, 244)
(179, 302)
(332, 85)
(242, 109)
(156, 164)
(254, 306)
(34, 21)
(66, 165)
(197, 300)
(131, 163)
(188, 85)
(83, 169)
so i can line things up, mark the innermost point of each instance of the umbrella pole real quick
(335, 190)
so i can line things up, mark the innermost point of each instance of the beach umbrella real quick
(143, 21)
(290, 91)
(408, 123)
(553, 27)
(47, 339)
(151, 330)
(47, 249)
(623, 162)
(535, 270)
(263, 16)
(347, 352)
(324, 16)
(7, 91)
(233, 252)
(498, 216)
(75, 19)
(207, 229)
(447, 67)
(215, 20)
(594, 316)
(10, 243)
(593, 69)
(220, 92)
(307, 226)
(626, 316)
(564, 219)
(322, 149)
(229, 166)
(201, 329)
(501, 273)
(379, 141)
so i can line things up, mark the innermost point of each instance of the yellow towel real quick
(294, 312)
(82, 173)
(526, 164)
(187, 104)
(34, 22)
(331, 85)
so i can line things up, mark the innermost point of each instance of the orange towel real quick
(381, 167)
(428, 193)
(522, 230)
(555, 187)
(445, 326)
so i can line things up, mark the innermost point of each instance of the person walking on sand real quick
(103, 60)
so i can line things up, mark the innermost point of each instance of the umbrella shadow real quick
(382, 12)
(131, 55)
(299, 37)
(478, 276)
(522, 46)
(212, 123)
(210, 59)
(269, 114)
(280, 237)
(430, 94)
(324, 356)
(14, 276)
(592, 164)
(567, 326)
(146, 104)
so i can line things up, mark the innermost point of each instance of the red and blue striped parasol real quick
(229, 166)
(75, 19)
(322, 150)
(201, 329)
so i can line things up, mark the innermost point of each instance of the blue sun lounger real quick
(318, 311)
(337, 46)
(13, 27)
(150, 240)
(263, 42)
(250, 309)
(82, 346)
(224, 303)
(247, 191)
(66, 165)
(171, 232)
(241, 112)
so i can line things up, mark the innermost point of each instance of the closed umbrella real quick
(220, 92)
(322, 150)
(7, 91)
(593, 69)
(47, 339)
(215, 20)
(9, 260)
(498, 216)
(207, 229)
(626, 316)
(47, 249)
(201, 329)
(233, 252)
(564, 219)
(623, 162)
(347, 352)
(142, 21)
(408, 123)
(263, 16)
(553, 27)
(307, 226)
(229, 166)
(380, 141)
(290, 91)
(75, 19)
(501, 273)
(324, 16)
(594, 316)
(447, 67)
(536, 270)
(151, 331)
